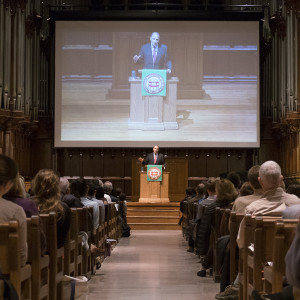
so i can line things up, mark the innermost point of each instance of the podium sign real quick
(154, 82)
(154, 173)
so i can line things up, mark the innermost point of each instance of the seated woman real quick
(45, 187)
(225, 195)
(17, 194)
(8, 210)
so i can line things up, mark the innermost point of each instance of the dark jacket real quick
(162, 60)
(204, 229)
(149, 160)
(71, 201)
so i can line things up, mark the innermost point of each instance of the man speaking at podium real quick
(154, 55)
(154, 158)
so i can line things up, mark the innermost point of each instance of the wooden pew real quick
(215, 234)
(83, 225)
(101, 232)
(56, 256)
(184, 222)
(262, 235)
(234, 225)
(70, 247)
(10, 259)
(78, 242)
(39, 263)
(283, 236)
(243, 252)
(114, 222)
(2, 290)
(107, 219)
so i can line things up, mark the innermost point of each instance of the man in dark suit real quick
(154, 158)
(154, 55)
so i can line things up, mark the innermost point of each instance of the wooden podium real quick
(153, 112)
(154, 191)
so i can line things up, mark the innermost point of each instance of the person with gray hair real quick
(274, 199)
(108, 187)
(273, 202)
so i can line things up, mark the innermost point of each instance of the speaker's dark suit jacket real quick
(149, 160)
(162, 60)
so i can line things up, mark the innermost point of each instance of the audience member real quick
(225, 195)
(211, 191)
(294, 189)
(79, 188)
(243, 177)
(92, 191)
(246, 189)
(272, 202)
(189, 194)
(108, 187)
(200, 195)
(291, 212)
(274, 199)
(288, 181)
(100, 194)
(45, 187)
(17, 195)
(234, 177)
(66, 196)
(242, 202)
(8, 210)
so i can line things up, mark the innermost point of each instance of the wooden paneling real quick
(41, 155)
(178, 168)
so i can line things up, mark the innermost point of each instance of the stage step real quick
(145, 212)
(153, 216)
(154, 226)
(152, 219)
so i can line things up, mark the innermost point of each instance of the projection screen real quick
(215, 95)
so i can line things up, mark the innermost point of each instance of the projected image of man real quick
(154, 55)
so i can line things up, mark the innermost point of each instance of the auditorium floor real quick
(151, 265)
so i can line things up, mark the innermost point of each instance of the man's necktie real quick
(155, 157)
(154, 54)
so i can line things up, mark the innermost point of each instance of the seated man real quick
(273, 202)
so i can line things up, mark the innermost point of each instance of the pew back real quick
(39, 263)
(284, 233)
(10, 259)
(56, 256)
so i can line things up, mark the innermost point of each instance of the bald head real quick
(154, 39)
(270, 175)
